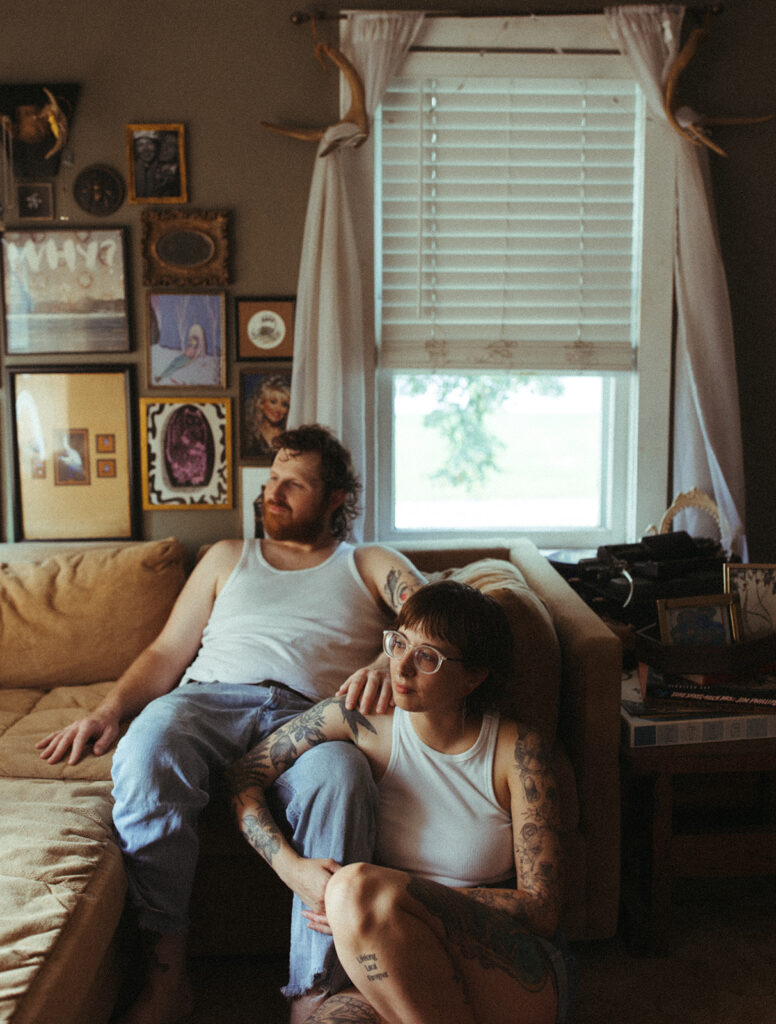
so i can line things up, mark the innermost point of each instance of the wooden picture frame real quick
(186, 333)
(65, 291)
(264, 399)
(186, 453)
(35, 201)
(156, 163)
(755, 585)
(265, 327)
(60, 490)
(185, 248)
(707, 620)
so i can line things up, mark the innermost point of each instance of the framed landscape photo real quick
(265, 396)
(63, 489)
(755, 585)
(156, 163)
(186, 340)
(186, 446)
(185, 248)
(65, 291)
(705, 620)
(265, 327)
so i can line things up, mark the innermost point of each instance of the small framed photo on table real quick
(705, 620)
(755, 585)
(63, 488)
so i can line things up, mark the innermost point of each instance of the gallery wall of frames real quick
(146, 363)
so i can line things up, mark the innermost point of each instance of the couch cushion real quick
(536, 694)
(82, 617)
(60, 875)
(26, 716)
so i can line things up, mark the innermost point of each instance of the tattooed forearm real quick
(399, 584)
(262, 833)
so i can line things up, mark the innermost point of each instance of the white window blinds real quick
(509, 215)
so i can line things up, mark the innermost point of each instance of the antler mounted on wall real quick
(355, 118)
(685, 121)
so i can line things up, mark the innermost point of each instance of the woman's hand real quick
(309, 878)
(317, 922)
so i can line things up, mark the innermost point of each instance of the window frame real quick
(581, 43)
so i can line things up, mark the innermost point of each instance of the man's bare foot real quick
(166, 997)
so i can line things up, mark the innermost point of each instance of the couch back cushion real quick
(535, 694)
(83, 616)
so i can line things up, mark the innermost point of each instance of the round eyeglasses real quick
(427, 659)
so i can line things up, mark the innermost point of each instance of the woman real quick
(267, 411)
(436, 930)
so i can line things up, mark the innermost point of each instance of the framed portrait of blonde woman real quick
(265, 395)
(186, 340)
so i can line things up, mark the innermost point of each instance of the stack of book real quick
(696, 693)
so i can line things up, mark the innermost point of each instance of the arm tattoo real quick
(345, 1008)
(537, 840)
(399, 584)
(262, 833)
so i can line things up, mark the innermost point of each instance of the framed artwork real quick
(186, 340)
(65, 291)
(705, 620)
(265, 396)
(156, 163)
(186, 453)
(35, 201)
(755, 585)
(185, 248)
(252, 481)
(62, 489)
(265, 328)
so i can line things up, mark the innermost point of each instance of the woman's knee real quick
(360, 897)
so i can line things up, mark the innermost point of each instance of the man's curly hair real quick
(337, 470)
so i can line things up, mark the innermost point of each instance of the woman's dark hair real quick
(337, 470)
(473, 622)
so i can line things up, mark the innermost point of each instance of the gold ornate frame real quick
(185, 248)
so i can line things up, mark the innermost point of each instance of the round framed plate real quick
(99, 190)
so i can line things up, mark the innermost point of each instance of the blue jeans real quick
(163, 770)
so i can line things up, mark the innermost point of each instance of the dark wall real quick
(221, 67)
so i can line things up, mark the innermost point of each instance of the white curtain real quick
(707, 426)
(334, 338)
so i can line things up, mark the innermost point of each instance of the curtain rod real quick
(302, 17)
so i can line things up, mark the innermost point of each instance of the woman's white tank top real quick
(439, 817)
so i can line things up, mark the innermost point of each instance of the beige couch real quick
(73, 616)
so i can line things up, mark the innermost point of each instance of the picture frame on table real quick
(186, 335)
(156, 163)
(186, 453)
(185, 248)
(709, 619)
(35, 201)
(264, 399)
(265, 327)
(755, 585)
(65, 291)
(60, 419)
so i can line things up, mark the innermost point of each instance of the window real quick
(523, 282)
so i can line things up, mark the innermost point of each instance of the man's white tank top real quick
(306, 628)
(439, 817)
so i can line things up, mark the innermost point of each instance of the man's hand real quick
(369, 688)
(101, 727)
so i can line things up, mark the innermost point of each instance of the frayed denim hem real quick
(330, 980)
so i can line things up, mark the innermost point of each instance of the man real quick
(261, 630)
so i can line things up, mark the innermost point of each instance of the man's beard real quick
(303, 531)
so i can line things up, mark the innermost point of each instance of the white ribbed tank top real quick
(306, 628)
(439, 817)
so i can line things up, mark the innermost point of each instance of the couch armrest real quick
(589, 727)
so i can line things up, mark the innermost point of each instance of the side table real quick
(659, 847)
